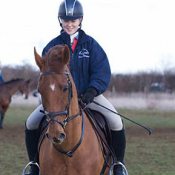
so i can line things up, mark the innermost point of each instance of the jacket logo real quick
(83, 53)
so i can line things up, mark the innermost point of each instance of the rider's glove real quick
(89, 95)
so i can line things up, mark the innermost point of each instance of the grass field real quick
(145, 154)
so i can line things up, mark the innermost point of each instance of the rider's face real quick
(70, 27)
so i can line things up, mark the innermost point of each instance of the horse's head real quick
(54, 87)
(24, 88)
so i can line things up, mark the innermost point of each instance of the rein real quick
(52, 116)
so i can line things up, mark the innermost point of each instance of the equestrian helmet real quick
(70, 10)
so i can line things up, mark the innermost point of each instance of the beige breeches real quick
(114, 120)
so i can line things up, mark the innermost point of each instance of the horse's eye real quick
(65, 89)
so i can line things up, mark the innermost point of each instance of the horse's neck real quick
(13, 87)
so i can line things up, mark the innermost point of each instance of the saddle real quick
(103, 132)
(100, 126)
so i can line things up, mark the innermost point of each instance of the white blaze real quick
(52, 87)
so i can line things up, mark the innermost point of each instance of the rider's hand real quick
(89, 95)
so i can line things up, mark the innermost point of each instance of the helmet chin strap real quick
(60, 23)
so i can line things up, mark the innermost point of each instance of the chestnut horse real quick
(7, 90)
(71, 146)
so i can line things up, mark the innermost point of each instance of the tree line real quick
(143, 82)
(122, 83)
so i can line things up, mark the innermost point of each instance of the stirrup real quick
(30, 163)
(125, 170)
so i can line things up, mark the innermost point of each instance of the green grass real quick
(150, 154)
(17, 115)
(145, 154)
(150, 118)
(13, 155)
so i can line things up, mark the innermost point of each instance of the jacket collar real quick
(82, 37)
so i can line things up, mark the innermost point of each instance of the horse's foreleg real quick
(1, 119)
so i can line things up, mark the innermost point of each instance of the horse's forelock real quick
(55, 52)
(53, 58)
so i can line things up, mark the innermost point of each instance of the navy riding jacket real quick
(89, 64)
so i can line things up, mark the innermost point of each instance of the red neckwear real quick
(74, 44)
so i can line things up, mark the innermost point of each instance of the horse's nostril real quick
(59, 140)
(61, 136)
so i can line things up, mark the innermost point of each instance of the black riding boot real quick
(32, 146)
(119, 143)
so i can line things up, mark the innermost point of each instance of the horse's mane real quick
(14, 80)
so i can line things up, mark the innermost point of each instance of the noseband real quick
(52, 115)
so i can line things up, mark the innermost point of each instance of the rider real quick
(90, 70)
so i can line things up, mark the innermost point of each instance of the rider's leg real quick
(31, 138)
(114, 120)
(119, 143)
(117, 130)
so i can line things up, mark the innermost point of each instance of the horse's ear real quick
(39, 60)
(66, 54)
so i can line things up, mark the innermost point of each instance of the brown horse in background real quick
(7, 90)
(71, 146)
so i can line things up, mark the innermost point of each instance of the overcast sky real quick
(136, 34)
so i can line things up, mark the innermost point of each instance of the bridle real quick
(65, 112)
